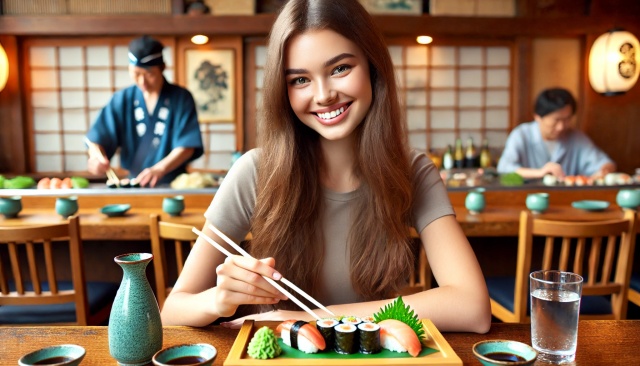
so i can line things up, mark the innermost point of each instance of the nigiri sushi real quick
(399, 337)
(301, 335)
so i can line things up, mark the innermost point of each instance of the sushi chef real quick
(154, 122)
(549, 145)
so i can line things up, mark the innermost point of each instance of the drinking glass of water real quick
(555, 308)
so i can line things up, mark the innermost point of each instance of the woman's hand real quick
(279, 315)
(240, 281)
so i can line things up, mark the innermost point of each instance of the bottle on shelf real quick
(447, 158)
(470, 155)
(458, 155)
(485, 155)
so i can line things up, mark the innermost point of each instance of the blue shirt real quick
(146, 139)
(525, 148)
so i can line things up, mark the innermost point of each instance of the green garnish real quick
(399, 311)
(264, 345)
(511, 179)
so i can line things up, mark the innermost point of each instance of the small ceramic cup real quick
(10, 206)
(200, 354)
(537, 202)
(475, 202)
(628, 198)
(60, 355)
(66, 206)
(173, 205)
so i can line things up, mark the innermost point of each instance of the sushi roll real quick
(111, 184)
(301, 335)
(346, 341)
(399, 337)
(369, 338)
(325, 326)
(351, 320)
(368, 319)
(125, 183)
(133, 183)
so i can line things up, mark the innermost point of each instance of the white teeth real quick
(331, 114)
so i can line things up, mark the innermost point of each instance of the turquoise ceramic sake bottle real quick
(135, 329)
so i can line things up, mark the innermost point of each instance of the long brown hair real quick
(289, 195)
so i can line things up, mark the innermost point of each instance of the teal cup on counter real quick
(475, 202)
(628, 198)
(537, 202)
(10, 206)
(173, 205)
(66, 206)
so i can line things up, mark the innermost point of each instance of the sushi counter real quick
(499, 217)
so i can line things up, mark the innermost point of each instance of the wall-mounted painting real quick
(210, 76)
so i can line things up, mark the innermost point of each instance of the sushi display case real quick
(436, 351)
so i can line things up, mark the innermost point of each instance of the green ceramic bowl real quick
(590, 205)
(61, 355)
(200, 354)
(504, 352)
(10, 206)
(115, 210)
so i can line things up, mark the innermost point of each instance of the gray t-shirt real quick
(232, 209)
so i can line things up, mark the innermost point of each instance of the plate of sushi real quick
(392, 336)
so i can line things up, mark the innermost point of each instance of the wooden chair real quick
(420, 278)
(610, 246)
(161, 233)
(51, 301)
(634, 289)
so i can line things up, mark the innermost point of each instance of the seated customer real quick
(549, 145)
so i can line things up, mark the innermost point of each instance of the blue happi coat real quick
(146, 139)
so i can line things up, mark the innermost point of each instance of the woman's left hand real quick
(281, 315)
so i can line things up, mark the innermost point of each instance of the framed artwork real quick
(210, 76)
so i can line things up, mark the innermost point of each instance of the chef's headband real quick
(145, 51)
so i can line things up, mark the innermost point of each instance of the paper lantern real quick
(614, 62)
(4, 68)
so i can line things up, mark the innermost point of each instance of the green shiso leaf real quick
(264, 345)
(399, 311)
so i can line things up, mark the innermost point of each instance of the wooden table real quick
(600, 342)
(500, 218)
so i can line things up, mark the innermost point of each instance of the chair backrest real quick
(32, 291)
(604, 246)
(163, 232)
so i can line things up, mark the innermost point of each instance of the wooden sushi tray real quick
(238, 354)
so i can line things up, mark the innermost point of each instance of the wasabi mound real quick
(264, 345)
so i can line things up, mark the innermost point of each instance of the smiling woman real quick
(330, 193)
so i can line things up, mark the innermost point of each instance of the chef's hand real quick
(240, 281)
(98, 165)
(553, 169)
(150, 176)
(604, 170)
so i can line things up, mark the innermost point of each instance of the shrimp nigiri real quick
(301, 335)
(399, 337)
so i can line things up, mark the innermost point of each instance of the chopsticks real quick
(271, 281)
(95, 151)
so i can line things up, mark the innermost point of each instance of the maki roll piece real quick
(368, 319)
(133, 183)
(351, 320)
(325, 326)
(399, 337)
(346, 341)
(369, 336)
(301, 335)
(125, 183)
(111, 184)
